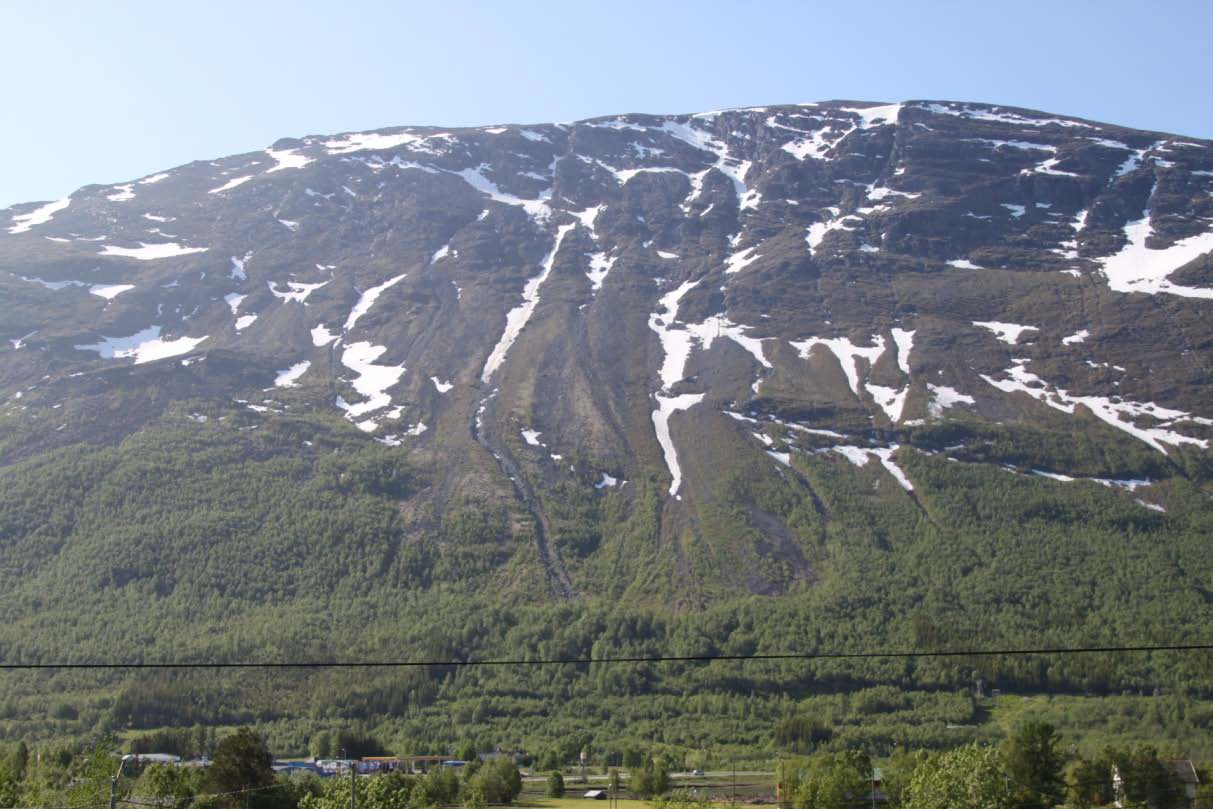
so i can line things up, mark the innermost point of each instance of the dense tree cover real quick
(170, 785)
(963, 778)
(213, 541)
(967, 776)
(1034, 764)
(650, 780)
(241, 771)
(240, 777)
(826, 781)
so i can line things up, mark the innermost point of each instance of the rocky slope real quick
(668, 322)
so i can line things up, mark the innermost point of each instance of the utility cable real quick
(582, 661)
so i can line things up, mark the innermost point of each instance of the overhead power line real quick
(562, 661)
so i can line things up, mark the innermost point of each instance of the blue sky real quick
(105, 92)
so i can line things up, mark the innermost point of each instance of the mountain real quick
(874, 369)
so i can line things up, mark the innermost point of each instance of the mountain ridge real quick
(764, 288)
(924, 376)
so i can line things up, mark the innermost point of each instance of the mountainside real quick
(873, 368)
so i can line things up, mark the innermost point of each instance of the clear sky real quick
(105, 92)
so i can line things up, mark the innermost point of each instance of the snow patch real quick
(537, 209)
(819, 142)
(784, 458)
(891, 400)
(287, 159)
(289, 378)
(860, 456)
(372, 381)
(1006, 332)
(818, 230)
(718, 326)
(233, 300)
(109, 291)
(600, 265)
(38, 216)
(606, 482)
(1138, 268)
(519, 315)
(125, 193)
(1049, 167)
(885, 454)
(978, 113)
(880, 115)
(151, 252)
(366, 141)
(857, 455)
(740, 260)
(731, 167)
(666, 407)
(296, 291)
(846, 352)
(143, 346)
(19, 342)
(904, 340)
(237, 272)
(675, 345)
(230, 184)
(1119, 413)
(945, 397)
(321, 336)
(367, 299)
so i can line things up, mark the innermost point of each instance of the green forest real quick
(243, 538)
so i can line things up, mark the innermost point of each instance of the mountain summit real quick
(664, 356)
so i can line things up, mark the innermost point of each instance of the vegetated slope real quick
(920, 375)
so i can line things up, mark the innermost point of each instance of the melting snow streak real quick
(367, 299)
(520, 314)
(38, 216)
(666, 407)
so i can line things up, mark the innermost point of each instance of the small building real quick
(1183, 770)
(153, 758)
(1186, 772)
(596, 794)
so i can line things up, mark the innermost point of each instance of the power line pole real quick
(113, 780)
(353, 786)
